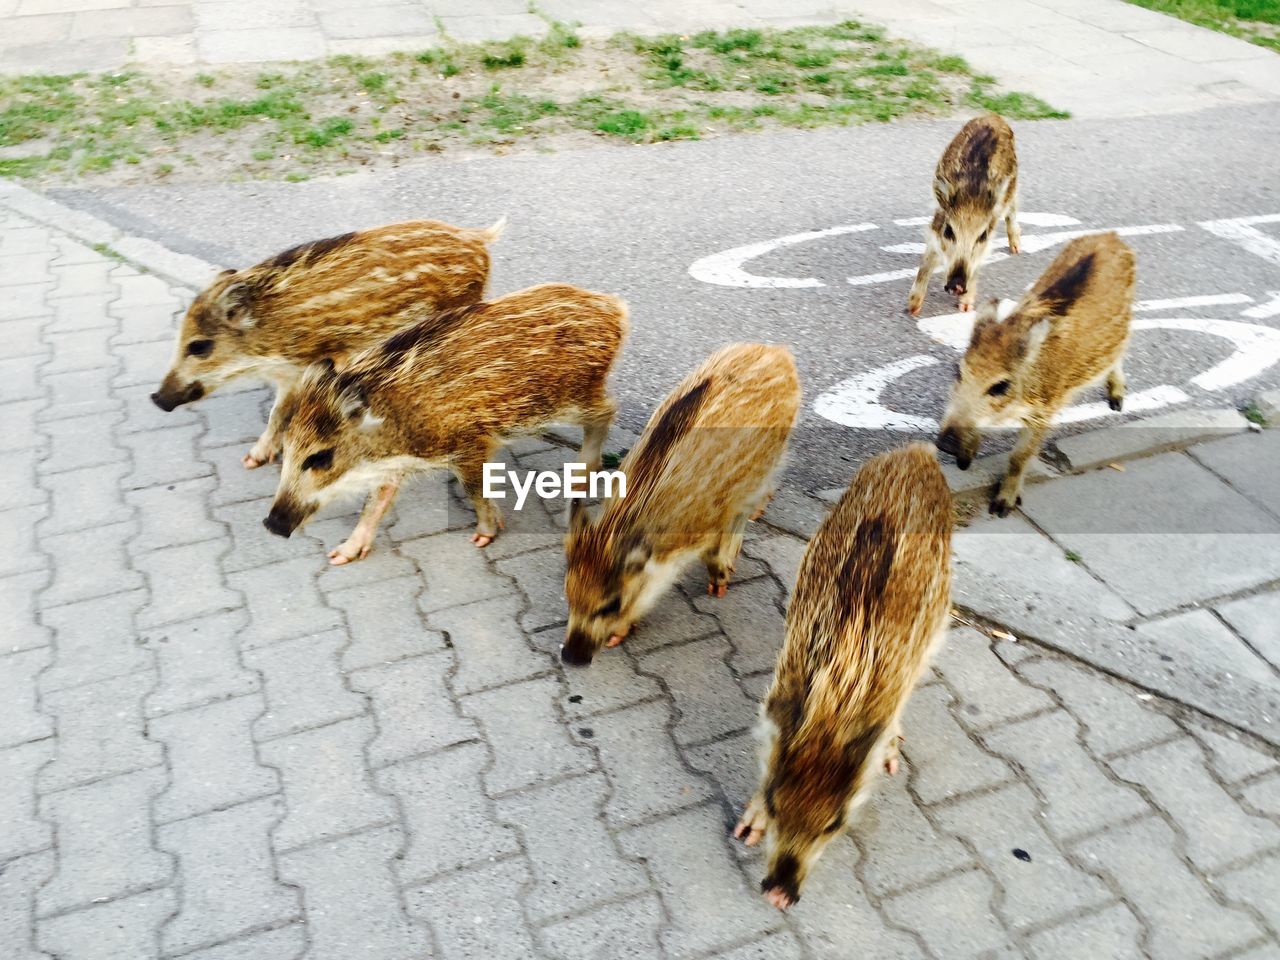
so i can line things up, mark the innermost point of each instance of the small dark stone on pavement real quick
(1022, 854)
(586, 732)
(576, 698)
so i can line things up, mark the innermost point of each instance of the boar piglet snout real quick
(961, 444)
(578, 650)
(782, 886)
(958, 280)
(168, 397)
(283, 519)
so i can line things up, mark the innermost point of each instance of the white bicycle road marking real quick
(856, 401)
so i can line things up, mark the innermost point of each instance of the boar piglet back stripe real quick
(309, 252)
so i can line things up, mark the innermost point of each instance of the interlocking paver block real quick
(283, 602)
(18, 528)
(227, 873)
(18, 429)
(82, 312)
(529, 741)
(304, 686)
(235, 483)
(454, 570)
(1184, 920)
(838, 912)
(476, 913)
(109, 931)
(281, 942)
(17, 480)
(143, 362)
(944, 761)
(20, 718)
(772, 946)
(384, 623)
(236, 417)
(1264, 796)
(782, 555)
(163, 456)
(1199, 635)
(145, 322)
(1255, 886)
(172, 515)
(384, 563)
(78, 442)
(353, 907)
(96, 640)
(489, 645)
(100, 731)
(19, 881)
(574, 858)
(960, 921)
(424, 508)
(79, 350)
(1257, 619)
(625, 931)
(733, 762)
(142, 416)
(185, 583)
(18, 612)
(252, 546)
(198, 662)
(1175, 776)
(752, 621)
(540, 575)
(663, 784)
(211, 758)
(21, 338)
(987, 691)
(23, 832)
(1110, 714)
(1231, 757)
(1079, 797)
(1036, 890)
(25, 300)
(900, 846)
(612, 682)
(326, 784)
(85, 498)
(447, 813)
(104, 841)
(707, 899)
(80, 393)
(1113, 932)
(19, 379)
(415, 712)
(79, 279)
(706, 694)
(89, 563)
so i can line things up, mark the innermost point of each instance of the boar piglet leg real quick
(720, 558)
(358, 545)
(469, 469)
(1009, 495)
(755, 821)
(267, 446)
(595, 429)
(929, 262)
(1011, 226)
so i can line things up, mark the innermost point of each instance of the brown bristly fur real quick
(702, 468)
(976, 186)
(446, 392)
(1068, 331)
(327, 299)
(871, 600)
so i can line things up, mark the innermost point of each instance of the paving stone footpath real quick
(215, 746)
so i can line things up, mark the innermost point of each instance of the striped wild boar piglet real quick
(704, 466)
(871, 600)
(446, 393)
(1068, 331)
(327, 299)
(976, 186)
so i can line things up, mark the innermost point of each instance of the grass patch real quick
(1254, 415)
(1257, 21)
(295, 121)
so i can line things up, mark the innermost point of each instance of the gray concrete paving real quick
(1097, 58)
(215, 746)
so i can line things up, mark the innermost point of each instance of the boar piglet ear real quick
(638, 552)
(232, 305)
(1033, 339)
(942, 191)
(353, 402)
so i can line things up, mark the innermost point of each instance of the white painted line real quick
(1257, 348)
(726, 270)
(1174, 303)
(869, 278)
(856, 402)
(914, 247)
(1241, 232)
(1264, 310)
(954, 329)
(913, 221)
(1043, 241)
(1140, 402)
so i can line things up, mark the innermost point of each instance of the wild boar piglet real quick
(976, 186)
(1068, 331)
(871, 600)
(703, 467)
(327, 299)
(446, 393)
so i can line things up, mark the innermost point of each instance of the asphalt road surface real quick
(635, 220)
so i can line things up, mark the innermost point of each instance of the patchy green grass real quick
(294, 121)
(1257, 21)
(1253, 413)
